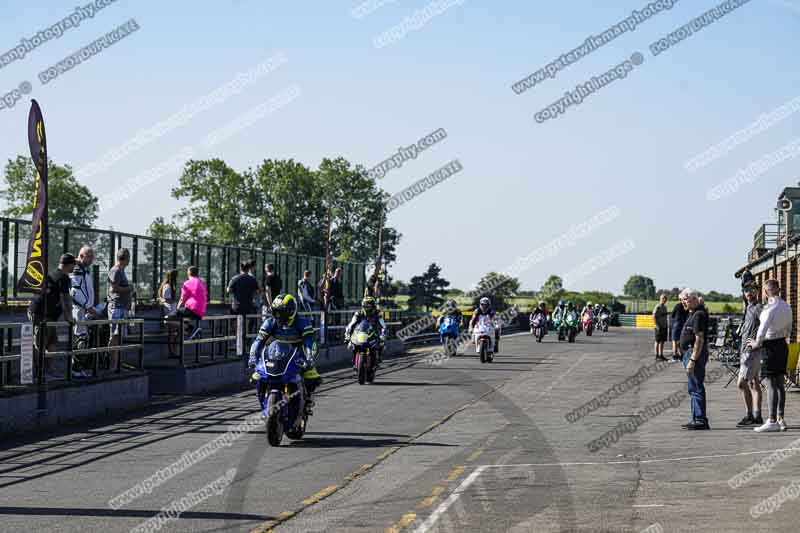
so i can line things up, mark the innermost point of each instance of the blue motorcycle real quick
(448, 335)
(281, 391)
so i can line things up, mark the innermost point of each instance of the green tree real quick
(498, 287)
(428, 289)
(159, 229)
(552, 290)
(597, 297)
(285, 212)
(283, 205)
(640, 287)
(70, 203)
(217, 197)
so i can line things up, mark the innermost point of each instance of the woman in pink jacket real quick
(194, 298)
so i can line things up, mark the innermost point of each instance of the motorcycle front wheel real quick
(273, 422)
(483, 352)
(362, 369)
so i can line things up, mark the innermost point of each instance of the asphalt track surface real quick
(462, 446)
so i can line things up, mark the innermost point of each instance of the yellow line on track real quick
(324, 493)
(455, 473)
(403, 523)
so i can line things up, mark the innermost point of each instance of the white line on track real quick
(640, 461)
(650, 505)
(429, 523)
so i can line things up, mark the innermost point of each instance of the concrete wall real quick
(73, 403)
(226, 375)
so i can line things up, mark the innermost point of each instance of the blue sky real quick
(523, 184)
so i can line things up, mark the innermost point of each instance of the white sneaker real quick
(782, 425)
(768, 426)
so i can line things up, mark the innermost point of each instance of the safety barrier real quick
(32, 360)
(637, 321)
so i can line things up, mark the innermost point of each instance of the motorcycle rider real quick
(286, 326)
(369, 311)
(485, 309)
(569, 309)
(450, 310)
(558, 312)
(539, 310)
(588, 309)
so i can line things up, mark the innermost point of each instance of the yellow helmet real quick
(284, 309)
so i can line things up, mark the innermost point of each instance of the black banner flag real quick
(33, 278)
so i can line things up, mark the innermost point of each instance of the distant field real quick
(527, 303)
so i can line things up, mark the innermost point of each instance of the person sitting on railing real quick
(286, 326)
(168, 300)
(194, 299)
(49, 305)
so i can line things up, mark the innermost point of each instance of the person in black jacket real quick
(679, 316)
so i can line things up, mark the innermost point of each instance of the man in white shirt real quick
(775, 326)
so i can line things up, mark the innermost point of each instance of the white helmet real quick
(484, 302)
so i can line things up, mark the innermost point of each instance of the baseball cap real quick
(67, 259)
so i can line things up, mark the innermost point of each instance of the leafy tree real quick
(672, 293)
(217, 197)
(428, 290)
(552, 290)
(70, 203)
(641, 287)
(284, 205)
(498, 287)
(159, 229)
(285, 211)
(598, 297)
(400, 287)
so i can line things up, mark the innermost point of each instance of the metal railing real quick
(152, 258)
(40, 353)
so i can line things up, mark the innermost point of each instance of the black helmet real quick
(284, 309)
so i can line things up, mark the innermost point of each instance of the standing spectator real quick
(48, 306)
(305, 292)
(775, 325)
(168, 300)
(695, 357)
(335, 291)
(243, 288)
(679, 316)
(750, 361)
(272, 287)
(82, 292)
(660, 315)
(120, 293)
(194, 299)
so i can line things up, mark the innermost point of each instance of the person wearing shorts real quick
(119, 300)
(750, 362)
(774, 327)
(660, 315)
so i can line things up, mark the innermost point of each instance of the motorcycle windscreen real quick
(363, 334)
(279, 358)
(485, 325)
(449, 325)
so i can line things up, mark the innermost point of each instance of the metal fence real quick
(152, 258)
